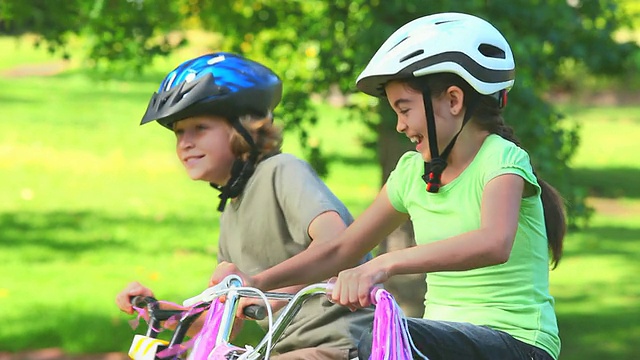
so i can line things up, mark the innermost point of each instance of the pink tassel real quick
(205, 341)
(391, 340)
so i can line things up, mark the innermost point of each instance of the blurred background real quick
(90, 201)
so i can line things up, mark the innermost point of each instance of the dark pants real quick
(441, 340)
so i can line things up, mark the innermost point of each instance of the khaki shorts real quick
(317, 353)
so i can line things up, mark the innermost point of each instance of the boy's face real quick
(202, 145)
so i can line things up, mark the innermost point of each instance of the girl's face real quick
(412, 121)
(202, 145)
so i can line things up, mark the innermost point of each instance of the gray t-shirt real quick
(268, 224)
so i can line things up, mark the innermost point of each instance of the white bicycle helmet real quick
(457, 43)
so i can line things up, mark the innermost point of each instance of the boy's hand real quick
(123, 299)
(225, 269)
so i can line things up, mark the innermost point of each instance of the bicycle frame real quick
(232, 288)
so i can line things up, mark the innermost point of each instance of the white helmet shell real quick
(456, 43)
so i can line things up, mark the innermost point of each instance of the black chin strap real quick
(433, 169)
(241, 170)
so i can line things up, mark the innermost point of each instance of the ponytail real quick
(554, 220)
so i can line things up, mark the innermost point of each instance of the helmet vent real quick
(492, 51)
(412, 55)
(398, 43)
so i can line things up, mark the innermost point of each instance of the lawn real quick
(91, 201)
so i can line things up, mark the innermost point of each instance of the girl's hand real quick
(353, 286)
(123, 299)
(225, 269)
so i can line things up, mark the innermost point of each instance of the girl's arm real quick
(324, 259)
(489, 245)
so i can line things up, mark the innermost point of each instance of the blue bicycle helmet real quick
(223, 84)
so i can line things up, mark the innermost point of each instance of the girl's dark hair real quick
(488, 116)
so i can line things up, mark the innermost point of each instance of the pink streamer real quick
(205, 341)
(390, 335)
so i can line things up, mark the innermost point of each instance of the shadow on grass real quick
(66, 328)
(606, 240)
(6, 99)
(43, 236)
(598, 315)
(609, 333)
(55, 231)
(82, 332)
(609, 183)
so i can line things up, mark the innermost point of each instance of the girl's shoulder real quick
(498, 156)
(410, 161)
(495, 147)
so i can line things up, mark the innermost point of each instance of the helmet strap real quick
(241, 170)
(433, 169)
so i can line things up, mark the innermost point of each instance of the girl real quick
(273, 205)
(484, 224)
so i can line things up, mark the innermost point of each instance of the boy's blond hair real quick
(266, 135)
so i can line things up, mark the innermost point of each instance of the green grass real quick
(90, 201)
(596, 290)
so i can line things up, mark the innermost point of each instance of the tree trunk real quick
(408, 290)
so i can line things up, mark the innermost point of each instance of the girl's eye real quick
(404, 112)
(178, 132)
(201, 127)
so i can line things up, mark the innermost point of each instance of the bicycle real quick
(149, 347)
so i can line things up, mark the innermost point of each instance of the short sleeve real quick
(513, 160)
(303, 196)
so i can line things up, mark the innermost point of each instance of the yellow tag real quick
(144, 347)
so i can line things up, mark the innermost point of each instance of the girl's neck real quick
(464, 151)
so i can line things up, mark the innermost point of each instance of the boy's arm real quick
(326, 258)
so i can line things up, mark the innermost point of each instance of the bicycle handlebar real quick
(253, 311)
(204, 300)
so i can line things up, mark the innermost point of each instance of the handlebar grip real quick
(141, 301)
(257, 312)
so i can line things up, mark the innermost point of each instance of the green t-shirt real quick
(512, 297)
(268, 224)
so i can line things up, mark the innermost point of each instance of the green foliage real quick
(122, 36)
(336, 39)
(318, 44)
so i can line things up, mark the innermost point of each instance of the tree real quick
(317, 44)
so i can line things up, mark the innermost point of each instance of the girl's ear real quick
(456, 99)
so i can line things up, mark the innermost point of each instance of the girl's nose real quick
(400, 126)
